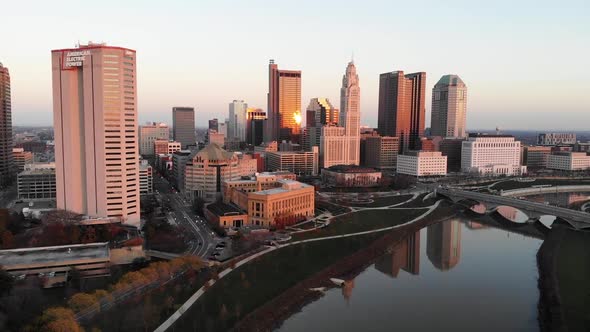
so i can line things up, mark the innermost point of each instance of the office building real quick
(179, 161)
(207, 169)
(350, 113)
(535, 157)
(255, 122)
(449, 107)
(146, 178)
(319, 113)
(333, 146)
(166, 147)
(237, 121)
(216, 138)
(257, 182)
(401, 107)
(451, 148)
(95, 121)
(183, 126)
(298, 162)
(569, 161)
(37, 182)
(491, 155)
(6, 167)
(284, 104)
(422, 163)
(214, 124)
(381, 151)
(148, 134)
(556, 139)
(20, 158)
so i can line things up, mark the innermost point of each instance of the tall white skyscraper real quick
(350, 113)
(237, 120)
(449, 107)
(95, 121)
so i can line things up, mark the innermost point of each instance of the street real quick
(204, 239)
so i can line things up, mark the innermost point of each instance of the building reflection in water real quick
(347, 288)
(443, 244)
(405, 255)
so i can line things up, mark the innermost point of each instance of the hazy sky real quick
(526, 63)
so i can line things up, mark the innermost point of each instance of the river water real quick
(457, 275)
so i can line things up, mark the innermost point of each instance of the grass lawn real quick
(573, 273)
(362, 221)
(251, 285)
(378, 201)
(509, 185)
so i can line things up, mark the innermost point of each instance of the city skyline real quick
(503, 62)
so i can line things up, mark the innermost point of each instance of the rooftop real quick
(50, 255)
(351, 169)
(222, 209)
(452, 80)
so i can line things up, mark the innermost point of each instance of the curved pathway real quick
(186, 306)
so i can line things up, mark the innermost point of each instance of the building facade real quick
(6, 167)
(255, 122)
(284, 104)
(350, 113)
(179, 161)
(491, 155)
(449, 107)
(381, 152)
(298, 162)
(37, 182)
(319, 113)
(95, 121)
(535, 157)
(237, 121)
(422, 163)
(148, 134)
(569, 161)
(166, 147)
(207, 169)
(146, 178)
(333, 146)
(351, 176)
(451, 148)
(556, 139)
(21, 158)
(401, 107)
(183, 126)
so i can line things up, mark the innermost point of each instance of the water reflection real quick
(494, 287)
(443, 245)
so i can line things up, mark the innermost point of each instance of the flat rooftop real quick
(222, 209)
(50, 255)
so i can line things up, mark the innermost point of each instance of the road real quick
(204, 239)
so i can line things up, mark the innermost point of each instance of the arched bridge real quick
(577, 219)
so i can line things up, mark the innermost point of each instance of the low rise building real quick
(225, 215)
(351, 176)
(422, 163)
(37, 182)
(146, 178)
(298, 162)
(166, 147)
(569, 161)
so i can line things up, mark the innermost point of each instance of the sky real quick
(526, 63)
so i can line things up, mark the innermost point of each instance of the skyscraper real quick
(284, 104)
(255, 121)
(350, 113)
(95, 121)
(449, 107)
(319, 113)
(6, 168)
(236, 129)
(214, 124)
(401, 107)
(183, 126)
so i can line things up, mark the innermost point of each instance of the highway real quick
(203, 238)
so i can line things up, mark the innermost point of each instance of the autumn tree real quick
(81, 301)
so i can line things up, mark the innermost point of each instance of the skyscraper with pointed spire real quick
(350, 112)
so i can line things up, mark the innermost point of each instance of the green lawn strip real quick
(510, 185)
(253, 284)
(378, 201)
(573, 274)
(361, 221)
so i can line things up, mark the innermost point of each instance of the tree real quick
(6, 282)
(199, 205)
(81, 301)
(7, 240)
